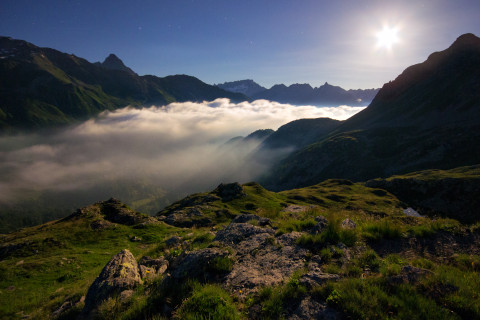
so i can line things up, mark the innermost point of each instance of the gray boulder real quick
(119, 274)
(309, 308)
(348, 224)
(151, 268)
(197, 264)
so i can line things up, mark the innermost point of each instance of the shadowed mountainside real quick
(426, 118)
(42, 87)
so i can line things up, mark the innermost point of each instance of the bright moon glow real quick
(387, 37)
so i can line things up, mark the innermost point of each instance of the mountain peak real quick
(466, 40)
(113, 62)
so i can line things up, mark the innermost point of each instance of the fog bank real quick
(174, 148)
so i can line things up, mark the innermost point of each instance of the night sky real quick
(275, 41)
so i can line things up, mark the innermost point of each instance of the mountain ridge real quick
(43, 87)
(325, 95)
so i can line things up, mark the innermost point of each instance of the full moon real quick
(387, 37)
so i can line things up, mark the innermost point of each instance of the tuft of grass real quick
(208, 302)
(379, 230)
(221, 264)
(333, 234)
(275, 299)
(374, 299)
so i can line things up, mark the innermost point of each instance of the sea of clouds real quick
(177, 147)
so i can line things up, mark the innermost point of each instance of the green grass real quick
(208, 302)
(274, 300)
(36, 283)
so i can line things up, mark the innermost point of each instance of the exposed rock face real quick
(229, 191)
(261, 259)
(119, 274)
(236, 232)
(315, 278)
(455, 197)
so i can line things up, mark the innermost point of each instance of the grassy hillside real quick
(379, 261)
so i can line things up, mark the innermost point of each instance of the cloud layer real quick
(174, 147)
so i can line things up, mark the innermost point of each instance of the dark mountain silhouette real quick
(325, 95)
(247, 87)
(42, 87)
(113, 62)
(428, 117)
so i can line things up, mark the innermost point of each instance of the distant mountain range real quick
(42, 87)
(427, 118)
(302, 94)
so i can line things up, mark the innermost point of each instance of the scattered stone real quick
(246, 217)
(64, 307)
(315, 278)
(295, 208)
(322, 223)
(412, 213)
(229, 191)
(119, 274)
(348, 224)
(408, 274)
(135, 239)
(173, 241)
(309, 308)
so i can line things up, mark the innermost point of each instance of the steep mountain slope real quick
(426, 118)
(42, 87)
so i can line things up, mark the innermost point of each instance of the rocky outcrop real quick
(453, 194)
(229, 191)
(199, 264)
(261, 258)
(187, 218)
(111, 211)
(121, 273)
(236, 232)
